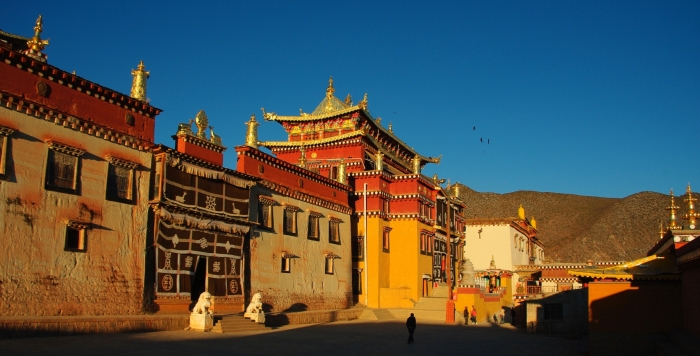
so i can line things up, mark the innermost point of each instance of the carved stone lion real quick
(203, 305)
(255, 304)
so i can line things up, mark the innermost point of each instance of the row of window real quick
(63, 172)
(265, 218)
(329, 263)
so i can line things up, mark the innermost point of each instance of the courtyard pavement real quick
(359, 337)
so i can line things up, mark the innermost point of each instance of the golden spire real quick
(662, 232)
(342, 172)
(363, 103)
(691, 215)
(672, 209)
(416, 164)
(138, 85)
(202, 122)
(36, 44)
(492, 265)
(457, 190)
(521, 212)
(302, 159)
(330, 90)
(379, 161)
(391, 127)
(348, 100)
(533, 222)
(251, 136)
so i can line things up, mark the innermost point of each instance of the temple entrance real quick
(425, 287)
(199, 278)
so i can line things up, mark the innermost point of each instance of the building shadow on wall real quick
(296, 307)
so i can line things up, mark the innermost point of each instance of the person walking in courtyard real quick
(466, 315)
(473, 315)
(411, 325)
(502, 315)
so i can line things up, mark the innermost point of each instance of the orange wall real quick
(634, 307)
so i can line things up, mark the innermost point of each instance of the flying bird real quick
(481, 139)
(488, 142)
(474, 128)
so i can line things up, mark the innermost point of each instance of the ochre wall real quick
(635, 307)
(37, 276)
(486, 304)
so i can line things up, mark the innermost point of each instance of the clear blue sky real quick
(594, 98)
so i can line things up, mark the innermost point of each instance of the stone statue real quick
(202, 317)
(255, 309)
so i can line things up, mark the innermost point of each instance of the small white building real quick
(507, 241)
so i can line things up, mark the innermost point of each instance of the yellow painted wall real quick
(485, 306)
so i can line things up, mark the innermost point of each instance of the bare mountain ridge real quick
(575, 228)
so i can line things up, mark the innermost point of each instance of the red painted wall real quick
(69, 100)
(198, 151)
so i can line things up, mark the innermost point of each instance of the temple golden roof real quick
(650, 267)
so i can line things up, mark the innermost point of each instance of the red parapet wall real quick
(203, 153)
(94, 107)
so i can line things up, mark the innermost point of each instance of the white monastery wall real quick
(306, 286)
(37, 275)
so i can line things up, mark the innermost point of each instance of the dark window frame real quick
(334, 232)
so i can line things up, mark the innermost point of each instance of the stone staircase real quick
(376, 314)
(426, 309)
(236, 323)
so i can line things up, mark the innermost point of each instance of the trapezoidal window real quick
(314, 233)
(76, 236)
(334, 231)
(62, 168)
(290, 220)
(120, 180)
(330, 265)
(265, 217)
(5, 132)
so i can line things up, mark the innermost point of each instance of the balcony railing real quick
(545, 289)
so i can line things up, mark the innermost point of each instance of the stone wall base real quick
(16, 327)
(311, 317)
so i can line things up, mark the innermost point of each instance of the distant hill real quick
(576, 228)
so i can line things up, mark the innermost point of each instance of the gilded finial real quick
(214, 138)
(342, 172)
(416, 164)
(348, 100)
(138, 85)
(492, 265)
(391, 128)
(363, 103)
(202, 122)
(662, 232)
(379, 161)
(672, 225)
(533, 222)
(36, 44)
(330, 90)
(456, 189)
(521, 212)
(251, 136)
(691, 216)
(302, 158)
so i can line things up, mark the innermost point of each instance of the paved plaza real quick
(338, 338)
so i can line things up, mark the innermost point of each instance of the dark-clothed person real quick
(411, 325)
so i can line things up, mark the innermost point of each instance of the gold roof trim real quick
(270, 144)
(7, 34)
(656, 267)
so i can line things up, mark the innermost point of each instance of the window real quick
(62, 168)
(76, 234)
(290, 220)
(313, 227)
(120, 179)
(385, 240)
(385, 206)
(330, 266)
(423, 247)
(553, 311)
(357, 281)
(429, 242)
(333, 174)
(358, 247)
(265, 215)
(286, 264)
(334, 230)
(4, 133)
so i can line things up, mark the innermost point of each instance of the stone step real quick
(426, 315)
(431, 303)
(440, 291)
(383, 314)
(236, 323)
(368, 314)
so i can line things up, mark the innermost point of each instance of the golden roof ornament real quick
(269, 116)
(437, 180)
(342, 172)
(691, 216)
(348, 100)
(379, 161)
(138, 85)
(36, 44)
(416, 164)
(391, 127)
(251, 136)
(492, 265)
(673, 208)
(185, 128)
(214, 138)
(521, 212)
(363, 103)
(533, 222)
(329, 96)
(202, 122)
(662, 231)
(456, 189)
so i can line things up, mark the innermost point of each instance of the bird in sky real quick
(481, 139)
(488, 142)
(474, 128)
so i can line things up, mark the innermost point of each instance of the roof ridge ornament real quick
(673, 208)
(36, 44)
(138, 85)
(363, 103)
(214, 138)
(251, 136)
(348, 100)
(202, 122)
(691, 215)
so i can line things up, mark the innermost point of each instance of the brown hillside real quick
(575, 228)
